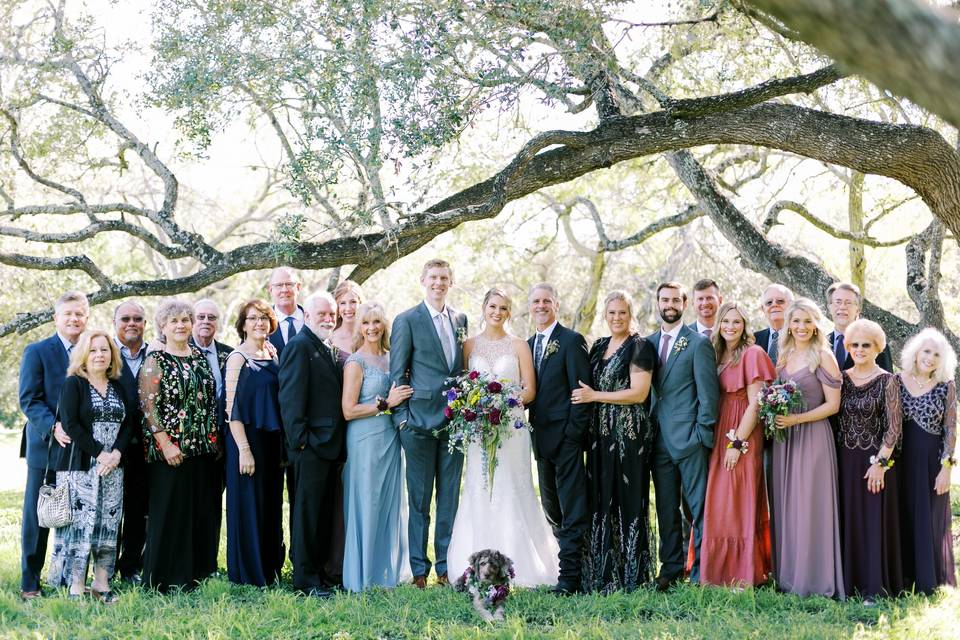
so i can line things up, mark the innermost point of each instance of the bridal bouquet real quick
(778, 399)
(484, 410)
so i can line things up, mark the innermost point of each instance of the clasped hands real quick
(107, 461)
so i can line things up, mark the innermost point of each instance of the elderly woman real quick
(92, 412)
(253, 446)
(618, 453)
(178, 397)
(868, 431)
(805, 462)
(928, 396)
(349, 297)
(736, 524)
(375, 553)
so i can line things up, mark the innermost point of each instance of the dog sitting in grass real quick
(487, 580)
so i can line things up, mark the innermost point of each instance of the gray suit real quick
(417, 359)
(686, 393)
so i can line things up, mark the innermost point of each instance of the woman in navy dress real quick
(928, 396)
(375, 552)
(255, 550)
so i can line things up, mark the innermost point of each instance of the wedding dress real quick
(509, 517)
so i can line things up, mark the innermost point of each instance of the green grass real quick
(218, 609)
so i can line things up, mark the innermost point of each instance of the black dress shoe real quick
(565, 589)
(319, 592)
(665, 582)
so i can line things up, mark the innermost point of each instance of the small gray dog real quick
(487, 580)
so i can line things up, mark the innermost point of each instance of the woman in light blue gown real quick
(375, 553)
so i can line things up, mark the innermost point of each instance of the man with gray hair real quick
(42, 372)
(844, 302)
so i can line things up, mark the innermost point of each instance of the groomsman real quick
(559, 430)
(129, 322)
(844, 301)
(284, 287)
(686, 393)
(310, 389)
(426, 348)
(42, 372)
(706, 302)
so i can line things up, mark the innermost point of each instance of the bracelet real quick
(740, 445)
(244, 447)
(948, 461)
(885, 463)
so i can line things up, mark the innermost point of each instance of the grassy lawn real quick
(218, 609)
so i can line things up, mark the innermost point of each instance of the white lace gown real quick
(509, 519)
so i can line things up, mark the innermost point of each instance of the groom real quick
(425, 350)
(686, 393)
(559, 430)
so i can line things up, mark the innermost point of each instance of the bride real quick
(507, 517)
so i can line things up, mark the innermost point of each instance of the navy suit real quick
(133, 529)
(884, 359)
(42, 372)
(276, 338)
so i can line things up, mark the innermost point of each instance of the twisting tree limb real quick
(773, 219)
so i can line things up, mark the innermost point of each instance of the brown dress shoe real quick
(420, 582)
(29, 595)
(442, 580)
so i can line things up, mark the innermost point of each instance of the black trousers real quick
(181, 546)
(311, 518)
(563, 493)
(33, 537)
(133, 527)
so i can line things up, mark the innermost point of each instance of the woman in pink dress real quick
(736, 524)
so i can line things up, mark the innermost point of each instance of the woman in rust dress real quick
(736, 524)
(868, 431)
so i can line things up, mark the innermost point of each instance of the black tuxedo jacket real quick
(884, 359)
(310, 390)
(762, 338)
(131, 390)
(553, 416)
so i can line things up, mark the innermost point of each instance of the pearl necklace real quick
(919, 383)
(862, 378)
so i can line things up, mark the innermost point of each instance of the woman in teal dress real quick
(375, 552)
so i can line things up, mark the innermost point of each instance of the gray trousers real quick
(428, 464)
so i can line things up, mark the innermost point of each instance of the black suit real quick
(884, 359)
(310, 392)
(559, 434)
(133, 527)
(762, 338)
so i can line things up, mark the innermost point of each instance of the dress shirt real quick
(702, 329)
(297, 316)
(67, 345)
(445, 318)
(673, 333)
(133, 361)
(210, 353)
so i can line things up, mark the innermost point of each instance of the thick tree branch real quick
(80, 263)
(773, 219)
(91, 230)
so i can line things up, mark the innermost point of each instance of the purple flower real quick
(448, 413)
(469, 415)
(512, 402)
(451, 395)
(518, 424)
(494, 416)
(494, 387)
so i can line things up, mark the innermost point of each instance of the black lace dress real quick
(929, 435)
(869, 522)
(617, 552)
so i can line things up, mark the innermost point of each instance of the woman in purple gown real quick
(868, 431)
(928, 395)
(806, 542)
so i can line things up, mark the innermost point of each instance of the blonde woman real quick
(93, 413)
(806, 542)
(736, 525)
(928, 396)
(349, 297)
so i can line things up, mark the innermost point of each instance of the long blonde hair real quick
(373, 310)
(80, 353)
(788, 344)
(746, 338)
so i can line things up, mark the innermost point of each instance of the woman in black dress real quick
(929, 397)
(869, 430)
(617, 550)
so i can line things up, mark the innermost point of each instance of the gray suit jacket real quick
(686, 393)
(417, 359)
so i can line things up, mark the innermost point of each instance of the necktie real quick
(538, 351)
(291, 328)
(665, 348)
(839, 350)
(444, 339)
(774, 349)
(708, 333)
(214, 362)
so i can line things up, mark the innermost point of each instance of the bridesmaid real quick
(349, 297)
(254, 477)
(869, 429)
(618, 555)
(375, 552)
(736, 524)
(929, 398)
(806, 543)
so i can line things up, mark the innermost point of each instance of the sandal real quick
(106, 597)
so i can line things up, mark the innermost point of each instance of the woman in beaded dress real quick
(868, 431)
(375, 548)
(928, 396)
(805, 463)
(617, 554)
(179, 400)
(92, 412)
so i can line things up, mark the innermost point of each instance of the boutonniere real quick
(552, 347)
(680, 345)
(461, 335)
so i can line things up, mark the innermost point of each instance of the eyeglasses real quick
(132, 318)
(284, 285)
(779, 301)
(258, 318)
(845, 303)
(212, 317)
(861, 345)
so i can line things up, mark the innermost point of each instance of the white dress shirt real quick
(448, 322)
(297, 316)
